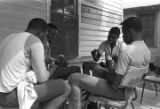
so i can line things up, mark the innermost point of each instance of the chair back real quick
(133, 76)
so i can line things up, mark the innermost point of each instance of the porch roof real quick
(140, 3)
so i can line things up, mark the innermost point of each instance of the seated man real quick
(62, 70)
(112, 48)
(136, 54)
(21, 53)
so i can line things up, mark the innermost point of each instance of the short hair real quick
(114, 30)
(38, 24)
(134, 23)
(51, 25)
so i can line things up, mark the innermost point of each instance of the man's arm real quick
(121, 67)
(38, 62)
(104, 46)
(96, 53)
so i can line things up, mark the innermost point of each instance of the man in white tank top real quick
(24, 52)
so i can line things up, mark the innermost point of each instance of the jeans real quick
(9, 100)
(51, 95)
(94, 85)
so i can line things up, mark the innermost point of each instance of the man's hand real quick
(49, 61)
(61, 62)
(95, 55)
(115, 59)
(110, 64)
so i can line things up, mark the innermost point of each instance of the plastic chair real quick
(151, 79)
(130, 81)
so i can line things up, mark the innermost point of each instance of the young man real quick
(21, 53)
(62, 70)
(136, 54)
(52, 32)
(112, 48)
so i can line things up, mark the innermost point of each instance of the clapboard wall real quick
(96, 18)
(15, 14)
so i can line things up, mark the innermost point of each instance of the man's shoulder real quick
(32, 39)
(24, 35)
(127, 50)
(104, 42)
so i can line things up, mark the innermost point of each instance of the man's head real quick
(113, 35)
(52, 31)
(132, 28)
(38, 27)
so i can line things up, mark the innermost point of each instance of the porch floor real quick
(150, 100)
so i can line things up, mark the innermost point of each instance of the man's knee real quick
(75, 78)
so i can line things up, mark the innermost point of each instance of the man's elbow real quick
(43, 78)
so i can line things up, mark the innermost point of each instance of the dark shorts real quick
(9, 100)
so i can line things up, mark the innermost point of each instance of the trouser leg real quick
(9, 100)
(94, 85)
(52, 93)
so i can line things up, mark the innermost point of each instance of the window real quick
(63, 13)
(148, 20)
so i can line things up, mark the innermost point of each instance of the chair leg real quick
(99, 105)
(65, 104)
(155, 84)
(142, 92)
(132, 105)
(86, 104)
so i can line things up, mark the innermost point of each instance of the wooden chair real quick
(151, 79)
(130, 81)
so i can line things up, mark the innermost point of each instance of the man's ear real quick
(40, 34)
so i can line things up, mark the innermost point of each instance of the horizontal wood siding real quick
(15, 14)
(97, 17)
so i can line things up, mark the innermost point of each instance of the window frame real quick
(75, 16)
